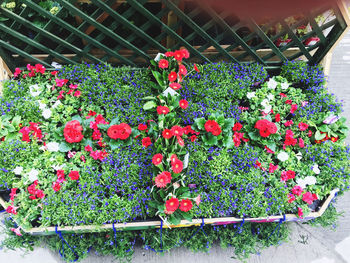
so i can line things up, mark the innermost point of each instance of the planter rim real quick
(147, 224)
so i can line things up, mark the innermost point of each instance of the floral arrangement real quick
(92, 144)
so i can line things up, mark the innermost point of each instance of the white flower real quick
(265, 102)
(284, 85)
(47, 113)
(53, 146)
(272, 84)
(170, 91)
(33, 175)
(18, 170)
(267, 109)
(308, 180)
(283, 156)
(250, 95)
(34, 90)
(58, 167)
(42, 105)
(315, 169)
(270, 97)
(56, 65)
(57, 103)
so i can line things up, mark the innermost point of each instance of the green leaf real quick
(229, 123)
(65, 147)
(253, 136)
(88, 142)
(228, 142)
(323, 128)
(185, 215)
(200, 122)
(158, 77)
(149, 105)
(174, 220)
(211, 140)
(78, 118)
(271, 145)
(149, 98)
(319, 136)
(16, 121)
(103, 126)
(114, 144)
(114, 121)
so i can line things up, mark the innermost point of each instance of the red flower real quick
(17, 72)
(163, 63)
(162, 179)
(288, 123)
(157, 159)
(25, 134)
(88, 148)
(269, 150)
(309, 198)
(169, 54)
(167, 134)
(11, 210)
(171, 205)
(303, 126)
(74, 175)
(309, 133)
(173, 158)
(289, 140)
(177, 166)
(178, 55)
(301, 143)
(77, 94)
(182, 70)
(60, 176)
(237, 127)
(272, 168)
(142, 127)
(175, 86)
(72, 131)
(162, 110)
(213, 127)
(121, 131)
(54, 73)
(177, 130)
(193, 138)
(56, 186)
(40, 194)
(265, 127)
(277, 117)
(300, 212)
(293, 108)
(297, 190)
(146, 142)
(185, 53)
(40, 68)
(289, 102)
(183, 104)
(291, 198)
(61, 82)
(185, 205)
(334, 139)
(195, 67)
(287, 175)
(237, 136)
(172, 76)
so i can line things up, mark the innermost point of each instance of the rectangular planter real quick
(151, 224)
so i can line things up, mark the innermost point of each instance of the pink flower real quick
(17, 72)
(56, 186)
(11, 210)
(303, 126)
(175, 86)
(287, 175)
(71, 154)
(73, 86)
(304, 103)
(269, 150)
(74, 175)
(291, 198)
(309, 198)
(88, 148)
(61, 82)
(77, 93)
(288, 123)
(301, 143)
(293, 108)
(300, 212)
(272, 168)
(198, 200)
(297, 190)
(17, 231)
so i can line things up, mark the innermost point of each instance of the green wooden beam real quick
(22, 53)
(197, 29)
(72, 29)
(47, 34)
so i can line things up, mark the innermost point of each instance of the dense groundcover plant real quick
(93, 144)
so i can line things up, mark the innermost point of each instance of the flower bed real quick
(94, 145)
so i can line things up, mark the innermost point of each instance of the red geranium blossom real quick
(237, 127)
(185, 53)
(293, 108)
(300, 212)
(121, 131)
(171, 205)
(172, 76)
(146, 142)
(301, 143)
(185, 205)
(309, 198)
(162, 180)
(177, 130)
(175, 86)
(167, 134)
(142, 127)
(180, 141)
(193, 138)
(297, 190)
(265, 127)
(74, 175)
(72, 131)
(177, 166)
(162, 110)
(303, 126)
(272, 168)
(291, 198)
(182, 70)
(287, 175)
(157, 159)
(210, 125)
(277, 117)
(56, 186)
(183, 104)
(163, 63)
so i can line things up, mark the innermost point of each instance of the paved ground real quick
(324, 246)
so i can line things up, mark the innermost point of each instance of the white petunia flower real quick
(270, 97)
(267, 109)
(284, 85)
(265, 102)
(33, 175)
(58, 167)
(250, 95)
(47, 113)
(315, 169)
(34, 90)
(299, 156)
(308, 180)
(53, 146)
(57, 103)
(283, 156)
(272, 84)
(42, 105)
(157, 58)
(18, 170)
(56, 65)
